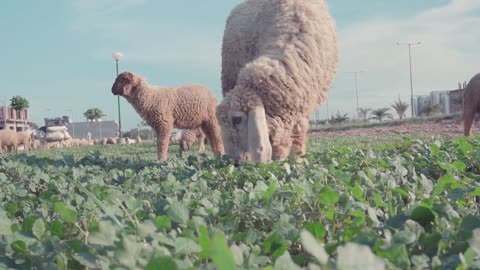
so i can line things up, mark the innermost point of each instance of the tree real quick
(363, 112)
(380, 114)
(19, 103)
(400, 107)
(339, 118)
(93, 114)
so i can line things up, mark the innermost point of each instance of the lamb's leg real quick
(162, 144)
(212, 132)
(468, 123)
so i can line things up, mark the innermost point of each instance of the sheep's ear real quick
(259, 146)
(127, 89)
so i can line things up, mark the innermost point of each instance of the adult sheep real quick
(471, 104)
(188, 107)
(25, 138)
(279, 58)
(9, 140)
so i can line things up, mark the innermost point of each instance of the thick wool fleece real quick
(24, 138)
(8, 140)
(281, 54)
(185, 107)
(471, 104)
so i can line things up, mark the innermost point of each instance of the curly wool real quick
(471, 104)
(8, 140)
(25, 138)
(185, 107)
(279, 53)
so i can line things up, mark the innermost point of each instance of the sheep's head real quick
(244, 127)
(124, 84)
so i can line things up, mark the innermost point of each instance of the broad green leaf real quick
(38, 228)
(424, 216)
(285, 262)
(19, 246)
(316, 229)
(67, 214)
(163, 223)
(221, 254)
(177, 212)
(328, 196)
(186, 246)
(56, 228)
(161, 263)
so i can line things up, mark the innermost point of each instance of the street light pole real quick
(116, 56)
(356, 90)
(410, 62)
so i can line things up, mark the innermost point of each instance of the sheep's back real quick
(194, 105)
(294, 56)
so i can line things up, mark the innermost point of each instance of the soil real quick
(449, 128)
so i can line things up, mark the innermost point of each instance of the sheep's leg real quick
(212, 132)
(201, 147)
(162, 144)
(468, 123)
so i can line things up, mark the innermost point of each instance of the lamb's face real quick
(124, 84)
(245, 134)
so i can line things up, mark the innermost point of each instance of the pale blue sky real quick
(57, 53)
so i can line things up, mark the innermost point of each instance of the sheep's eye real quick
(236, 120)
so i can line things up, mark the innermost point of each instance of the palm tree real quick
(380, 114)
(19, 103)
(363, 112)
(339, 118)
(400, 107)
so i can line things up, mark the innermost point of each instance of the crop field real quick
(375, 202)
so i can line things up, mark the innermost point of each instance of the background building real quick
(9, 119)
(97, 129)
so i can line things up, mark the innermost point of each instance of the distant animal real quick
(471, 104)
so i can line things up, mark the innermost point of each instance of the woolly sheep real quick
(189, 137)
(189, 107)
(471, 104)
(9, 140)
(279, 58)
(25, 138)
(175, 137)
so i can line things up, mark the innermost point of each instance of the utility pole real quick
(355, 73)
(116, 56)
(411, 79)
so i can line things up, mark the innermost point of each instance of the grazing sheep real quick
(37, 144)
(279, 58)
(189, 107)
(471, 104)
(189, 137)
(111, 141)
(25, 138)
(175, 137)
(9, 140)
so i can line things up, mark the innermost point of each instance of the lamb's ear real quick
(259, 146)
(127, 89)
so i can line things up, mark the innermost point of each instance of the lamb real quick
(188, 107)
(471, 104)
(8, 140)
(279, 58)
(189, 137)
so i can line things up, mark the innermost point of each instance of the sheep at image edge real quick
(279, 58)
(185, 107)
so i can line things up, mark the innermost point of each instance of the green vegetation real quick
(385, 202)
